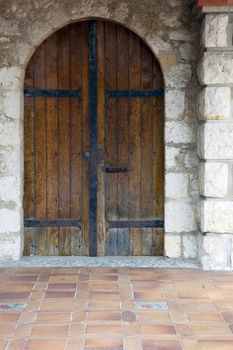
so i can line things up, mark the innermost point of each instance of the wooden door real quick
(93, 126)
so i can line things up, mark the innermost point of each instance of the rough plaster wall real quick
(172, 34)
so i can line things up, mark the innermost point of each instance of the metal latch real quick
(116, 169)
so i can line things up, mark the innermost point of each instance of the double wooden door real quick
(93, 131)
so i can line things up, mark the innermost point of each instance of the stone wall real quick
(172, 33)
(215, 139)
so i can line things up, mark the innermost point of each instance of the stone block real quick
(215, 29)
(216, 68)
(11, 160)
(215, 141)
(179, 217)
(188, 51)
(175, 104)
(176, 185)
(182, 35)
(11, 78)
(214, 103)
(179, 132)
(10, 246)
(10, 188)
(10, 131)
(178, 76)
(181, 158)
(171, 155)
(10, 220)
(10, 104)
(216, 252)
(217, 216)
(189, 246)
(172, 246)
(213, 179)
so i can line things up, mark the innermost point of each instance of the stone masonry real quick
(215, 139)
(172, 32)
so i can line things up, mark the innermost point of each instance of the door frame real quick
(93, 151)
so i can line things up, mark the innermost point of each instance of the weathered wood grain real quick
(111, 134)
(135, 139)
(123, 138)
(101, 224)
(85, 139)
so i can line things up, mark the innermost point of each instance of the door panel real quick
(56, 135)
(133, 138)
(59, 152)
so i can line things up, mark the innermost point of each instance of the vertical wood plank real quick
(111, 135)
(29, 169)
(85, 139)
(158, 242)
(158, 159)
(134, 136)
(52, 144)
(64, 125)
(65, 241)
(123, 139)
(76, 134)
(28, 241)
(158, 169)
(76, 241)
(101, 224)
(64, 208)
(40, 146)
(147, 190)
(52, 241)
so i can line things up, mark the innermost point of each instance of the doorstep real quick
(116, 261)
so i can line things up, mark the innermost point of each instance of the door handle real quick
(116, 169)
(86, 155)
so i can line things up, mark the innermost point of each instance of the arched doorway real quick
(93, 126)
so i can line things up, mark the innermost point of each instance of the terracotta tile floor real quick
(115, 309)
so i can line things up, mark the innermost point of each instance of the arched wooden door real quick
(93, 131)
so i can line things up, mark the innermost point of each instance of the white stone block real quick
(11, 78)
(214, 103)
(10, 104)
(215, 141)
(216, 68)
(10, 131)
(176, 185)
(214, 32)
(10, 220)
(179, 132)
(175, 104)
(171, 155)
(10, 188)
(179, 217)
(216, 252)
(217, 216)
(10, 246)
(213, 179)
(11, 161)
(189, 246)
(172, 246)
(178, 76)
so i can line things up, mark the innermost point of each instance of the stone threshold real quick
(116, 261)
